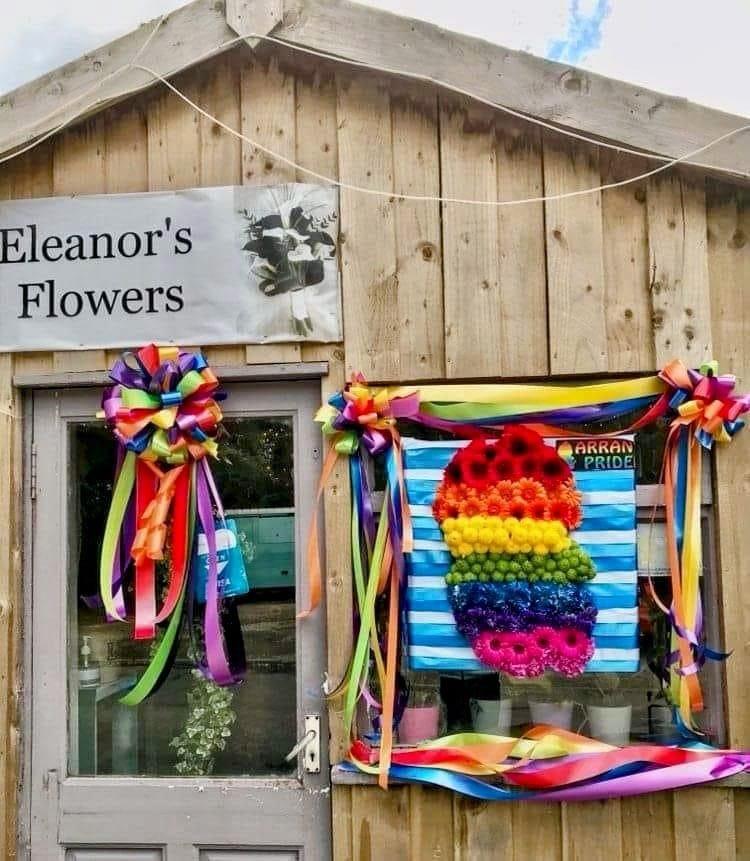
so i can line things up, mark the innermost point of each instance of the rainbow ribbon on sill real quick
(549, 764)
(361, 422)
(163, 410)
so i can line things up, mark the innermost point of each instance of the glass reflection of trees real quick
(255, 470)
(256, 466)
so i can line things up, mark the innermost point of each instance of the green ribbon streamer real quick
(120, 497)
(467, 411)
(367, 620)
(154, 670)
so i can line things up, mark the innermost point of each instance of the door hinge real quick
(32, 477)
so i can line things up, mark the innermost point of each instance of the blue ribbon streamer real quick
(681, 487)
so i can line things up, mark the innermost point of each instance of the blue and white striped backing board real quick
(607, 533)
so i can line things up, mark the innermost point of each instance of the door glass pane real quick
(189, 726)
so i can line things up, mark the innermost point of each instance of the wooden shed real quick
(613, 282)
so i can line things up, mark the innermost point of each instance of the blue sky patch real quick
(584, 32)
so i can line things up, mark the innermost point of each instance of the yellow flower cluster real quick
(490, 534)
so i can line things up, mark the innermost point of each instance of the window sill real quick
(344, 777)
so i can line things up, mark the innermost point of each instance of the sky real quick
(690, 48)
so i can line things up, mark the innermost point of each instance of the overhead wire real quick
(667, 162)
(97, 85)
(428, 198)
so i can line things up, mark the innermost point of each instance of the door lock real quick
(309, 744)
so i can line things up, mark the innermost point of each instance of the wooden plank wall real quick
(419, 824)
(617, 281)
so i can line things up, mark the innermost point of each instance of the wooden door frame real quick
(25, 808)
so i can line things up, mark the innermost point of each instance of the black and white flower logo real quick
(289, 248)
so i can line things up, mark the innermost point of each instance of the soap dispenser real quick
(88, 671)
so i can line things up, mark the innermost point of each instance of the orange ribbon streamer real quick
(391, 670)
(314, 572)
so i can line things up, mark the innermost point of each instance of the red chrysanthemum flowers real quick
(553, 471)
(454, 471)
(519, 441)
(506, 469)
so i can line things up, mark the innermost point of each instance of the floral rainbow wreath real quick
(516, 585)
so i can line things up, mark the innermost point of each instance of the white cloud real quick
(526, 25)
(690, 48)
(38, 35)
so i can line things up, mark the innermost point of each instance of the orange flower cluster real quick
(525, 497)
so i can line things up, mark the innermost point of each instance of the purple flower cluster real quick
(521, 606)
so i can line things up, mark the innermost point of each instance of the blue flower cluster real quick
(520, 606)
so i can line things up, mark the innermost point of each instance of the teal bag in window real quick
(232, 575)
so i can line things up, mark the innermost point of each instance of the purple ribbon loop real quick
(219, 667)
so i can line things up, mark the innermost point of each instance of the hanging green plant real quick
(207, 727)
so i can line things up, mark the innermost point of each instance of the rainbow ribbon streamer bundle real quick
(163, 410)
(361, 423)
(550, 764)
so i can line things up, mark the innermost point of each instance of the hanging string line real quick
(429, 79)
(84, 110)
(133, 64)
(427, 198)
(385, 70)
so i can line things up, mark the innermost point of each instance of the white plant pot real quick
(559, 715)
(660, 721)
(491, 716)
(610, 724)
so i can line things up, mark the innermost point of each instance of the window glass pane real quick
(189, 726)
(479, 700)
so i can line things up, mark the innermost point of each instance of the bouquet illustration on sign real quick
(289, 238)
(517, 582)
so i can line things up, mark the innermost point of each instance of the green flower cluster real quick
(573, 565)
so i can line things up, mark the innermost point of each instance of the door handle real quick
(310, 744)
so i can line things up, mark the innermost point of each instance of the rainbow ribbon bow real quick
(163, 412)
(165, 408)
(704, 400)
(363, 415)
(706, 411)
(361, 423)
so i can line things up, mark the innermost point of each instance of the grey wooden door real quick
(109, 782)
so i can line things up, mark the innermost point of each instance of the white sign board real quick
(227, 265)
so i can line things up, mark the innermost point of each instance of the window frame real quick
(650, 505)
